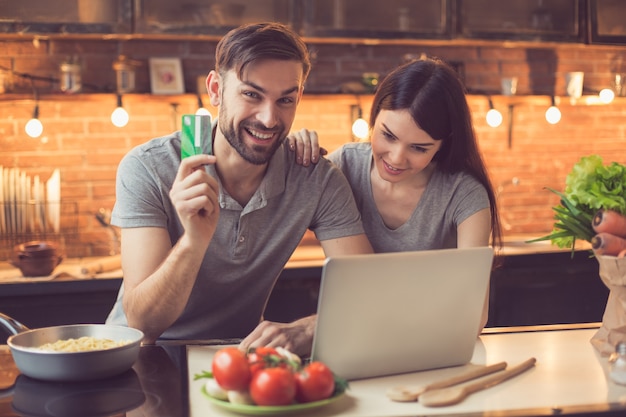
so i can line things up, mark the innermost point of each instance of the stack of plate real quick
(29, 205)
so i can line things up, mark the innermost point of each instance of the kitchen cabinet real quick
(555, 288)
(207, 18)
(606, 21)
(336, 20)
(80, 16)
(59, 302)
(376, 19)
(542, 20)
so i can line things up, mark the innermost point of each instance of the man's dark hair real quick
(257, 41)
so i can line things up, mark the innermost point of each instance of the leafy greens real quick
(589, 187)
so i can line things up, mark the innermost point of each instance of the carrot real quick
(608, 244)
(609, 221)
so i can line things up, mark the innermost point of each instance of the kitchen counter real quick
(535, 284)
(306, 256)
(569, 378)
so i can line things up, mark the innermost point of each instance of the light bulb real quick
(34, 128)
(606, 95)
(119, 117)
(494, 118)
(203, 112)
(360, 128)
(553, 115)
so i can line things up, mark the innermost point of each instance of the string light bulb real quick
(494, 117)
(360, 128)
(34, 127)
(553, 114)
(606, 95)
(119, 117)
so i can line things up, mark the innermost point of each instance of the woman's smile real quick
(391, 169)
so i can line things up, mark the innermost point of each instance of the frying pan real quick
(71, 366)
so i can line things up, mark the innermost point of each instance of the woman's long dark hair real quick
(435, 96)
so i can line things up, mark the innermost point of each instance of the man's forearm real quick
(157, 302)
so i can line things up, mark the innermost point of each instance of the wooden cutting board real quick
(8, 369)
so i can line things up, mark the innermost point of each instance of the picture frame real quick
(166, 76)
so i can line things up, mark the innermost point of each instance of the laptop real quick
(392, 313)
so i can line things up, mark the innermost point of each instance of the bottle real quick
(404, 20)
(618, 368)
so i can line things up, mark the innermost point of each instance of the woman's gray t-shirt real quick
(448, 200)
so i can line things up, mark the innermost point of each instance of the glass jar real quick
(125, 74)
(618, 367)
(71, 77)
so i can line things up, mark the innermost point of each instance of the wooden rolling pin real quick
(110, 263)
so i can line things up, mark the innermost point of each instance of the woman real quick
(420, 183)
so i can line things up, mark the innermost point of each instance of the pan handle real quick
(12, 325)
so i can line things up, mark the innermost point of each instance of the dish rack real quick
(24, 222)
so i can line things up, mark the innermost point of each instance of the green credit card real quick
(197, 135)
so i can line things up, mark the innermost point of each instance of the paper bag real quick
(613, 330)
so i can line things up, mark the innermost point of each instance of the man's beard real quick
(257, 155)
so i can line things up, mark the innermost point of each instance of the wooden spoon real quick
(412, 393)
(454, 395)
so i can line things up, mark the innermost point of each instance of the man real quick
(204, 239)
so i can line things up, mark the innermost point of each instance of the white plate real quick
(21, 202)
(37, 196)
(11, 199)
(53, 198)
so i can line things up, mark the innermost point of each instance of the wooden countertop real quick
(516, 245)
(308, 255)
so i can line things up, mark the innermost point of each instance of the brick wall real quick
(81, 141)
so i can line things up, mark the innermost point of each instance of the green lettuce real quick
(589, 187)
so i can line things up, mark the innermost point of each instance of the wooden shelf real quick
(308, 39)
(586, 100)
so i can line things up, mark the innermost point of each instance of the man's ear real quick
(213, 83)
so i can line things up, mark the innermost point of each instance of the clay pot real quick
(36, 258)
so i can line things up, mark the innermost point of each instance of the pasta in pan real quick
(82, 344)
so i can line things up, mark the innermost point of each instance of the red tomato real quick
(315, 382)
(273, 386)
(230, 369)
(261, 358)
